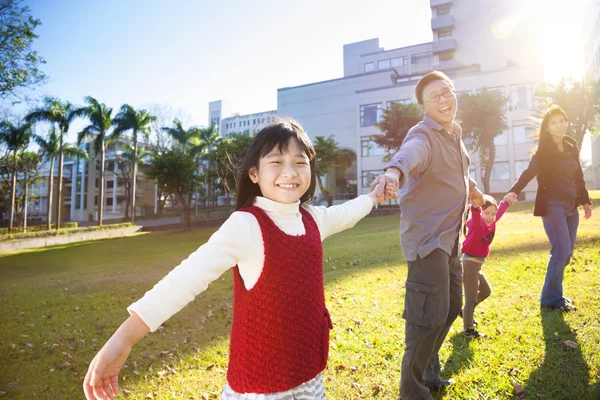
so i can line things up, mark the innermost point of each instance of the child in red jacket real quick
(476, 247)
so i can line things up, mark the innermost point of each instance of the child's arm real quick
(502, 207)
(102, 378)
(331, 220)
(476, 220)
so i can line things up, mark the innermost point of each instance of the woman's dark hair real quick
(277, 135)
(427, 79)
(545, 139)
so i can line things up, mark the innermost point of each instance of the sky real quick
(186, 53)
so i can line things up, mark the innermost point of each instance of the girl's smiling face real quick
(283, 176)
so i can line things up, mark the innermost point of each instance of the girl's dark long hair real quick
(277, 135)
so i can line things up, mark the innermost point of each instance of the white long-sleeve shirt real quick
(238, 242)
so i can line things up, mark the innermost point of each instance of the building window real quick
(369, 67)
(109, 202)
(501, 139)
(521, 96)
(419, 58)
(446, 56)
(370, 149)
(520, 166)
(401, 101)
(370, 114)
(95, 200)
(399, 61)
(367, 177)
(444, 35)
(110, 184)
(383, 64)
(500, 172)
(521, 134)
(96, 182)
(442, 10)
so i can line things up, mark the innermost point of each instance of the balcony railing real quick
(444, 45)
(445, 21)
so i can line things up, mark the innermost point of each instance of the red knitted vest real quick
(280, 331)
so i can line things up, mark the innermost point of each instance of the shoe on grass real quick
(473, 334)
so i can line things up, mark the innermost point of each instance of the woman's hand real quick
(587, 208)
(511, 198)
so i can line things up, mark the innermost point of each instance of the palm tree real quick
(209, 138)
(50, 149)
(187, 138)
(62, 114)
(16, 139)
(139, 122)
(100, 122)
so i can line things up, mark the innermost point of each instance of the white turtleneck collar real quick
(278, 210)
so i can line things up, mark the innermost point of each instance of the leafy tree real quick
(100, 117)
(16, 138)
(226, 159)
(62, 114)
(19, 63)
(29, 164)
(482, 118)
(328, 155)
(49, 149)
(395, 124)
(175, 172)
(139, 123)
(581, 101)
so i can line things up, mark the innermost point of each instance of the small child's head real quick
(279, 165)
(489, 209)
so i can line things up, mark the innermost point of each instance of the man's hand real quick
(510, 198)
(392, 181)
(587, 208)
(476, 198)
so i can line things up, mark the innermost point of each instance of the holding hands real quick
(510, 198)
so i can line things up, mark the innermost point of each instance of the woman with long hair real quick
(561, 189)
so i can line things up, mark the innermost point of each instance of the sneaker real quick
(460, 314)
(567, 307)
(473, 334)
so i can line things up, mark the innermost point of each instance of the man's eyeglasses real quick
(436, 97)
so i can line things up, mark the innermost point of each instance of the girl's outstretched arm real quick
(102, 379)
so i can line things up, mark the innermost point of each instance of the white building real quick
(221, 113)
(471, 44)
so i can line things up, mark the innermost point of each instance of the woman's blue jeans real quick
(560, 223)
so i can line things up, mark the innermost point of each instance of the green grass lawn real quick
(59, 306)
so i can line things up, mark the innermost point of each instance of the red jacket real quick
(480, 236)
(280, 331)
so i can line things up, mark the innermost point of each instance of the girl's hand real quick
(383, 191)
(102, 378)
(511, 198)
(587, 208)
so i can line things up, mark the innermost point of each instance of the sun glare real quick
(559, 36)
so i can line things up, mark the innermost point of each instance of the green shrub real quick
(66, 231)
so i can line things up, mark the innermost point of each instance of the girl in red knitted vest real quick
(280, 331)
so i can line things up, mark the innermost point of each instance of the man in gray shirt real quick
(432, 169)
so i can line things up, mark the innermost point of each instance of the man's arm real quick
(413, 157)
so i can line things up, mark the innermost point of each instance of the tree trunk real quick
(186, 212)
(60, 179)
(25, 201)
(101, 188)
(50, 191)
(489, 164)
(13, 193)
(134, 177)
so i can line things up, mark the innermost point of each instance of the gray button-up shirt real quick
(434, 188)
